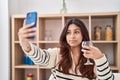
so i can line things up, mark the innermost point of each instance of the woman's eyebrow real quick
(74, 30)
(77, 29)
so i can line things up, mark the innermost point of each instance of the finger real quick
(93, 47)
(83, 50)
(24, 23)
(30, 40)
(30, 25)
(30, 30)
(27, 25)
(29, 34)
(86, 51)
(86, 55)
(20, 32)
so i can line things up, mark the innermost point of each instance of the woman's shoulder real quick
(54, 49)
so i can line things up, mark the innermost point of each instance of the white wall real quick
(74, 6)
(4, 41)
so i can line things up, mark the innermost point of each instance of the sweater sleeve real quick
(43, 57)
(103, 70)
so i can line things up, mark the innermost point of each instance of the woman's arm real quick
(103, 70)
(47, 58)
(24, 33)
(39, 56)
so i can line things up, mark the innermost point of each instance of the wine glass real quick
(87, 43)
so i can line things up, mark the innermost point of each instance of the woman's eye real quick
(68, 32)
(77, 32)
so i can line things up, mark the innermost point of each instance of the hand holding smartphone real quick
(31, 17)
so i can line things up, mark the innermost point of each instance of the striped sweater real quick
(50, 57)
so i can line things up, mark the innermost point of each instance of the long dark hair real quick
(66, 60)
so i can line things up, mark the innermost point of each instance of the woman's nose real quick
(72, 35)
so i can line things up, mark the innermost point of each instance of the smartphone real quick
(30, 18)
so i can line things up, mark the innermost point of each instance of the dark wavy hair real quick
(66, 61)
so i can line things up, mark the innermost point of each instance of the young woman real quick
(67, 60)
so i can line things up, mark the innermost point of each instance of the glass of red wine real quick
(87, 43)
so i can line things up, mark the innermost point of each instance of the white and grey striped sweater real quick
(50, 57)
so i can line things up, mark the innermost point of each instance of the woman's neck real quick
(76, 54)
(75, 50)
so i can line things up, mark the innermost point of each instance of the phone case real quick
(31, 17)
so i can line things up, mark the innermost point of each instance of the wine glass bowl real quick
(87, 43)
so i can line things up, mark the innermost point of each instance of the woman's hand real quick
(92, 52)
(24, 33)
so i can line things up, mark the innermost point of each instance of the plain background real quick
(11, 7)
(54, 6)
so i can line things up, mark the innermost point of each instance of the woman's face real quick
(74, 35)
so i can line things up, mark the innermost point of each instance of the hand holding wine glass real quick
(87, 43)
(91, 51)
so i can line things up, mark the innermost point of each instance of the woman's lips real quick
(72, 41)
